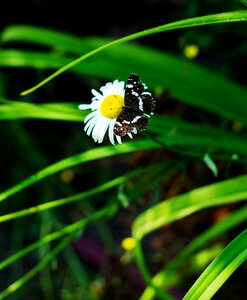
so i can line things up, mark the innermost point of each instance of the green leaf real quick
(227, 191)
(169, 274)
(158, 69)
(235, 16)
(89, 155)
(89, 193)
(220, 269)
(49, 111)
(210, 164)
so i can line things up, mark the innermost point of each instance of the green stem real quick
(146, 274)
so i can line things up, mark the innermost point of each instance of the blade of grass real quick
(185, 80)
(89, 155)
(163, 294)
(236, 16)
(177, 132)
(45, 273)
(220, 269)
(166, 276)
(77, 270)
(84, 195)
(49, 111)
(106, 212)
(224, 192)
(40, 266)
(178, 207)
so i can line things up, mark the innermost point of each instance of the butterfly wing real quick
(139, 104)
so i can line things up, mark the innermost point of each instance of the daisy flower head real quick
(118, 110)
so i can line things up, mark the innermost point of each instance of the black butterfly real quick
(138, 106)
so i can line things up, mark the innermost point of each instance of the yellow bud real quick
(128, 243)
(191, 51)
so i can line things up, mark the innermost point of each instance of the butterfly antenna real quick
(118, 99)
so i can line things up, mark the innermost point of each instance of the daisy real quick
(106, 107)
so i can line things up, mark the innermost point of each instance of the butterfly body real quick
(138, 106)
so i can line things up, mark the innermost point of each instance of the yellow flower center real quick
(112, 106)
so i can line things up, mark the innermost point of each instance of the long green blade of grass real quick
(142, 186)
(158, 69)
(185, 80)
(172, 131)
(106, 212)
(84, 195)
(166, 276)
(220, 269)
(178, 207)
(227, 191)
(223, 141)
(89, 155)
(49, 111)
(36, 269)
(236, 16)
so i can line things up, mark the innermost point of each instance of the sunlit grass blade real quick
(24, 58)
(49, 111)
(89, 155)
(175, 132)
(236, 16)
(220, 269)
(163, 294)
(224, 192)
(47, 37)
(223, 141)
(89, 193)
(141, 187)
(178, 207)
(168, 274)
(187, 81)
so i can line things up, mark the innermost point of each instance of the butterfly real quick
(138, 106)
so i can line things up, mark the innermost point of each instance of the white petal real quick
(118, 137)
(90, 127)
(103, 129)
(84, 106)
(111, 131)
(134, 130)
(97, 94)
(99, 130)
(90, 124)
(113, 88)
(91, 115)
(121, 89)
(130, 135)
(95, 104)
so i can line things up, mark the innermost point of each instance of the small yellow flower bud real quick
(191, 51)
(128, 243)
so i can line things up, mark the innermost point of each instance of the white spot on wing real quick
(140, 104)
(136, 119)
(135, 93)
(130, 86)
